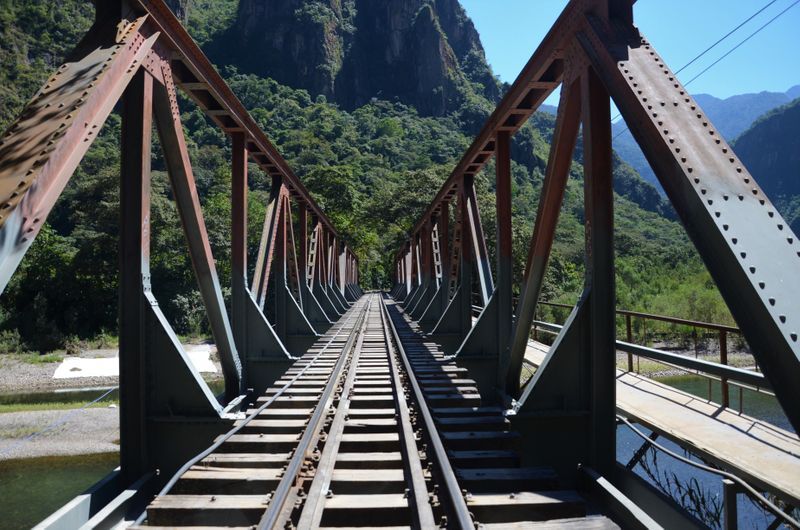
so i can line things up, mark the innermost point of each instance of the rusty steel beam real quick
(134, 272)
(599, 228)
(187, 199)
(565, 136)
(746, 245)
(239, 191)
(40, 151)
(266, 247)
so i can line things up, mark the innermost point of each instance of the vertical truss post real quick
(504, 253)
(599, 208)
(239, 241)
(302, 223)
(333, 275)
(320, 276)
(565, 136)
(456, 321)
(573, 390)
(134, 271)
(444, 249)
(291, 324)
(311, 306)
(440, 299)
(428, 285)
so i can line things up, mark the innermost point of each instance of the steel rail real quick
(457, 503)
(313, 507)
(423, 512)
(216, 445)
(279, 497)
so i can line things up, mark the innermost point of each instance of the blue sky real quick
(679, 29)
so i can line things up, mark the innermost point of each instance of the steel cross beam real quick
(747, 246)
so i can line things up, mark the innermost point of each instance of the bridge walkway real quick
(765, 455)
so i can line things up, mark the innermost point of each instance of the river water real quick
(32, 489)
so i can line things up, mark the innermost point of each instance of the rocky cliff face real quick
(426, 53)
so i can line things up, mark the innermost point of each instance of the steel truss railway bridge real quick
(406, 409)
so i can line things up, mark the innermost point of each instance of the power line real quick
(770, 21)
(731, 32)
(737, 46)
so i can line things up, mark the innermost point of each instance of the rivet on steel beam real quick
(689, 169)
(771, 301)
(725, 197)
(794, 337)
(734, 240)
(743, 254)
(789, 240)
(771, 214)
(753, 270)
(725, 227)
(780, 227)
(782, 319)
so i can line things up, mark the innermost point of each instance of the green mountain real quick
(424, 53)
(373, 167)
(731, 116)
(770, 149)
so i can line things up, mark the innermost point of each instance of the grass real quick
(28, 407)
(35, 358)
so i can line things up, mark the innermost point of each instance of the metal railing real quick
(722, 331)
(721, 372)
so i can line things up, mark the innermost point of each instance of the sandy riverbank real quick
(18, 375)
(59, 432)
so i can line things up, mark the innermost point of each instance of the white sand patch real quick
(75, 367)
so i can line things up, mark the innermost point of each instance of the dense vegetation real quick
(373, 170)
(771, 151)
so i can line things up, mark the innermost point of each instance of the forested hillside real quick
(731, 116)
(373, 168)
(771, 151)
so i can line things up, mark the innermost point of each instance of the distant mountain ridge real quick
(731, 116)
(425, 53)
(770, 150)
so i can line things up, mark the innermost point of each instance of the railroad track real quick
(370, 428)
